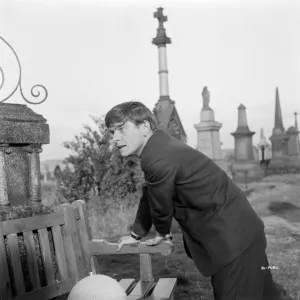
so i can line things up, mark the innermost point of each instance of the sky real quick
(92, 55)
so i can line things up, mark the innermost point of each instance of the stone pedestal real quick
(244, 168)
(22, 133)
(208, 136)
(279, 145)
(245, 171)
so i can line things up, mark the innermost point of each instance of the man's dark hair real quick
(133, 111)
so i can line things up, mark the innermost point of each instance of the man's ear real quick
(146, 128)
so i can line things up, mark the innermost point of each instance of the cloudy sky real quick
(92, 55)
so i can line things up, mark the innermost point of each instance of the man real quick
(221, 231)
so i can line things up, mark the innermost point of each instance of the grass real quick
(275, 199)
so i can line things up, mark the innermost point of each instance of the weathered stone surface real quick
(207, 115)
(22, 132)
(17, 174)
(246, 171)
(208, 139)
(20, 125)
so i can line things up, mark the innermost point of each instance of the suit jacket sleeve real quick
(143, 219)
(160, 179)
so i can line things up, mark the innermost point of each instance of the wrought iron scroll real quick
(35, 90)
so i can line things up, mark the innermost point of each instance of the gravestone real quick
(245, 167)
(293, 141)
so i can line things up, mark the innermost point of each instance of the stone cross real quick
(160, 17)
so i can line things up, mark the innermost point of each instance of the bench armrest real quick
(102, 247)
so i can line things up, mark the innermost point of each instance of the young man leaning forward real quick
(222, 234)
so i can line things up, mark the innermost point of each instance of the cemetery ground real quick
(277, 201)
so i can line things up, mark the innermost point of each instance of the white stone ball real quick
(97, 287)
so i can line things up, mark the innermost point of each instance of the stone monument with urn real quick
(22, 134)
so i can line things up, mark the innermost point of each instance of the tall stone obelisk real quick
(208, 136)
(165, 111)
(279, 138)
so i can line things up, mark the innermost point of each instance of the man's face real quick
(129, 138)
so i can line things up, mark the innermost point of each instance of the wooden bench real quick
(43, 257)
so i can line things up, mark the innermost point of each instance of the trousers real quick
(248, 277)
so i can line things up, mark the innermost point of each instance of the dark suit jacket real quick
(216, 219)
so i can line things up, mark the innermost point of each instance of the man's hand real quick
(160, 239)
(126, 240)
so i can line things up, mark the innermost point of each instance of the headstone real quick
(293, 141)
(208, 136)
(245, 167)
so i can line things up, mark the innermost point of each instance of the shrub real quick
(98, 167)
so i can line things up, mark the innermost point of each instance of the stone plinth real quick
(279, 164)
(245, 171)
(279, 145)
(22, 133)
(207, 115)
(208, 136)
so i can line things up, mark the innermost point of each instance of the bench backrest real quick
(42, 257)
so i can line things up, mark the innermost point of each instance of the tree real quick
(98, 166)
(57, 172)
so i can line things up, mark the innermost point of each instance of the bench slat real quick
(5, 292)
(71, 244)
(60, 252)
(48, 292)
(163, 289)
(46, 254)
(32, 259)
(32, 223)
(126, 284)
(141, 289)
(85, 235)
(15, 260)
